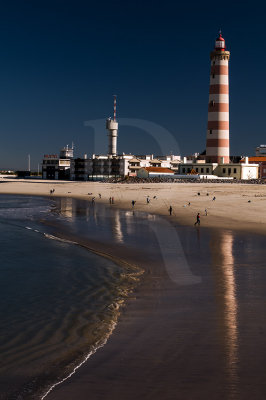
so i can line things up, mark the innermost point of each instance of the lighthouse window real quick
(213, 75)
(210, 131)
(212, 103)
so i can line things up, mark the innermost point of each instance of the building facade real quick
(245, 170)
(57, 167)
(100, 167)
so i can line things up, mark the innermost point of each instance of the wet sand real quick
(191, 334)
(237, 206)
(179, 337)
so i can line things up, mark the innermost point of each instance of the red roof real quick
(159, 169)
(220, 37)
(255, 159)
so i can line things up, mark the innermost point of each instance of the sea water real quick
(58, 301)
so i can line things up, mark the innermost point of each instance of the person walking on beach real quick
(113, 200)
(110, 200)
(133, 202)
(148, 199)
(206, 212)
(170, 210)
(198, 219)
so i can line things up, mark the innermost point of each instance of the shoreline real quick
(172, 340)
(238, 207)
(141, 356)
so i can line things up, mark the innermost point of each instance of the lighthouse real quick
(112, 127)
(217, 144)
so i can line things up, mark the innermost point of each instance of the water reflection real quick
(66, 207)
(225, 288)
(117, 228)
(133, 230)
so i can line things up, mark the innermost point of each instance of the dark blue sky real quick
(61, 62)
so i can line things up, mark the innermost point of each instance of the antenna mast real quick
(115, 107)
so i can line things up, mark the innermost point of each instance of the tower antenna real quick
(115, 107)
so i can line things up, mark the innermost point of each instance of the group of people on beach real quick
(133, 202)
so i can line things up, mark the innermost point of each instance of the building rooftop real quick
(159, 169)
(255, 159)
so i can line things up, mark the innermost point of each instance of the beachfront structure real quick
(261, 162)
(261, 150)
(57, 167)
(112, 127)
(245, 170)
(217, 143)
(155, 172)
(100, 167)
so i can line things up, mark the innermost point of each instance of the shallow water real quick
(205, 319)
(57, 300)
(210, 298)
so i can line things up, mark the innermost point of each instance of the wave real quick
(52, 237)
(97, 346)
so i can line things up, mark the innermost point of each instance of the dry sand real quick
(237, 206)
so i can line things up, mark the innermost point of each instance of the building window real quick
(229, 171)
(197, 170)
(213, 75)
(212, 103)
(224, 170)
(210, 131)
(234, 170)
(207, 170)
(201, 170)
(184, 170)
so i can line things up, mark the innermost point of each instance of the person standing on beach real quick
(198, 219)
(113, 200)
(170, 210)
(206, 212)
(110, 200)
(133, 203)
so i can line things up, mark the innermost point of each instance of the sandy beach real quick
(174, 340)
(236, 206)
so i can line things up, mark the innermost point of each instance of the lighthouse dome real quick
(220, 43)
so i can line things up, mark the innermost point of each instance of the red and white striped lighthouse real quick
(217, 145)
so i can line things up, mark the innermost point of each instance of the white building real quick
(261, 150)
(155, 172)
(205, 170)
(107, 166)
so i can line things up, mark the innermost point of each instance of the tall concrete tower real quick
(112, 127)
(217, 146)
